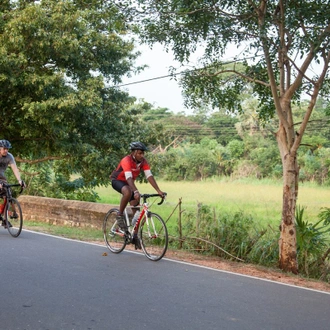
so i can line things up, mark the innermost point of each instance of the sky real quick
(165, 92)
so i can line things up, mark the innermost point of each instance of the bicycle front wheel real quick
(114, 238)
(153, 236)
(14, 217)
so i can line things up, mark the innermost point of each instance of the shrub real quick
(236, 236)
(226, 235)
(313, 244)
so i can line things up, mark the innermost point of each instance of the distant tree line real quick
(204, 145)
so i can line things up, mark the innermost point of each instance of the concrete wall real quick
(61, 211)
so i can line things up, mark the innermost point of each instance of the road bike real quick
(11, 216)
(149, 231)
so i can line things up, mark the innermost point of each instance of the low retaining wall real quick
(62, 211)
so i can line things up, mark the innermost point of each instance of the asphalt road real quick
(52, 283)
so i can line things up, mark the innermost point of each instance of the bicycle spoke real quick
(14, 217)
(114, 238)
(154, 237)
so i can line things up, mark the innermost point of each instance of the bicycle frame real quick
(3, 206)
(8, 196)
(145, 210)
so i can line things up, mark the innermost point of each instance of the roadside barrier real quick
(62, 211)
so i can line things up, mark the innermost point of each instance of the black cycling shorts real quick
(118, 185)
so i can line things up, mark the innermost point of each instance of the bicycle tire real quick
(113, 236)
(153, 236)
(14, 217)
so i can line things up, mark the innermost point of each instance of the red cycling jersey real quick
(129, 165)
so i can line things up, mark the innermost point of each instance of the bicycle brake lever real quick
(162, 201)
(22, 188)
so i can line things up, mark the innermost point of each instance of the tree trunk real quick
(287, 242)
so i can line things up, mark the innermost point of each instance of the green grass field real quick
(260, 199)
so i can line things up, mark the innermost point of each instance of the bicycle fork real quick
(150, 224)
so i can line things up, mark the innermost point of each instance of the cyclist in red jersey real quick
(123, 177)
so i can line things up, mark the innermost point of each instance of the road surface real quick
(52, 283)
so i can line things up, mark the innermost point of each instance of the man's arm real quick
(131, 184)
(17, 174)
(154, 184)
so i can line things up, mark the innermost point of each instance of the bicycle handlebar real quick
(146, 196)
(7, 185)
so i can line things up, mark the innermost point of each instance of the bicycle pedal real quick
(136, 243)
(127, 238)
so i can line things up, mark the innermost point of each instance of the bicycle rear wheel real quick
(153, 236)
(114, 238)
(14, 217)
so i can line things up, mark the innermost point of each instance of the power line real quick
(180, 73)
(146, 80)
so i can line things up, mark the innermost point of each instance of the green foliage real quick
(232, 235)
(59, 61)
(265, 251)
(252, 153)
(313, 244)
(236, 236)
(45, 182)
(236, 149)
(223, 127)
(315, 165)
(204, 86)
(262, 152)
(312, 165)
(226, 235)
(254, 156)
(192, 161)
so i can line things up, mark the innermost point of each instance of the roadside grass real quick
(77, 233)
(261, 200)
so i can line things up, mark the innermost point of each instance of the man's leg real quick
(127, 196)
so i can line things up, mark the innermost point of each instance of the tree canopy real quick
(59, 61)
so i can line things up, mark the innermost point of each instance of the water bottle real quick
(135, 218)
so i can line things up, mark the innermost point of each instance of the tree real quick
(283, 39)
(58, 61)
(175, 127)
(223, 127)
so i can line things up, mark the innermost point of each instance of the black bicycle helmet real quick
(138, 146)
(5, 144)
